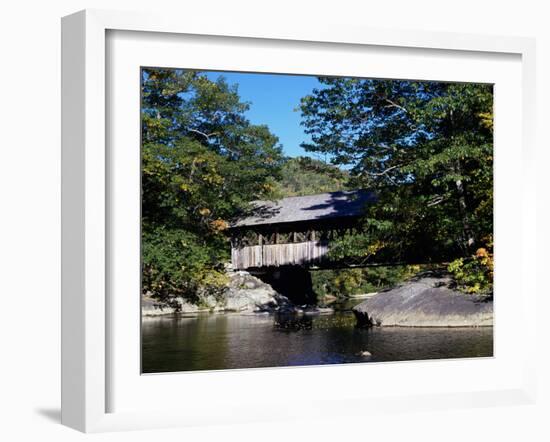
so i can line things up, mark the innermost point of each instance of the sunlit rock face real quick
(248, 293)
(154, 307)
(425, 302)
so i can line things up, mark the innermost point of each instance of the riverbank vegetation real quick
(425, 148)
(345, 283)
(202, 162)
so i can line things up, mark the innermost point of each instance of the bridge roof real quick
(307, 208)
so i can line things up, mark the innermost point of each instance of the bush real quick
(179, 263)
(475, 274)
(347, 282)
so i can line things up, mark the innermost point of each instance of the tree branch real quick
(394, 104)
(207, 136)
(384, 172)
(435, 201)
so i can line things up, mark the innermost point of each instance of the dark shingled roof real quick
(307, 208)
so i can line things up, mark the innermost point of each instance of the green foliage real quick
(202, 161)
(475, 273)
(306, 176)
(177, 262)
(424, 147)
(343, 283)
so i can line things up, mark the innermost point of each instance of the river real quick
(225, 341)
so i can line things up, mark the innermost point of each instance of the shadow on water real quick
(292, 322)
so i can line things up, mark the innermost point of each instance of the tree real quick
(306, 176)
(202, 162)
(425, 147)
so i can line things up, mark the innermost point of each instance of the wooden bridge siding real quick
(274, 255)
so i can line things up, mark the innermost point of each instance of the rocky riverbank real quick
(425, 302)
(244, 294)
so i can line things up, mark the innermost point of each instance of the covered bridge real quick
(295, 230)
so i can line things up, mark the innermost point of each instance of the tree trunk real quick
(463, 208)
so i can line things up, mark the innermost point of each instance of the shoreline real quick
(207, 313)
(316, 311)
(424, 302)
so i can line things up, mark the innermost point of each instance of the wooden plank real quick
(274, 255)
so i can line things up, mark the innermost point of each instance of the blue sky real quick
(273, 101)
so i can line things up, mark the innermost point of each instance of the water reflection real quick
(222, 341)
(293, 322)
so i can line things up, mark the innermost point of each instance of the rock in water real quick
(425, 302)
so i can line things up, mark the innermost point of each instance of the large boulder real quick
(246, 293)
(425, 302)
(154, 307)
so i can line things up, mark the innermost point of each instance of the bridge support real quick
(294, 282)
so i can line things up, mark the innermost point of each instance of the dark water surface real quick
(223, 341)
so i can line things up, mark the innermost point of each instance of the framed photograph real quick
(251, 212)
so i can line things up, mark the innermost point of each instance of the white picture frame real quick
(86, 317)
